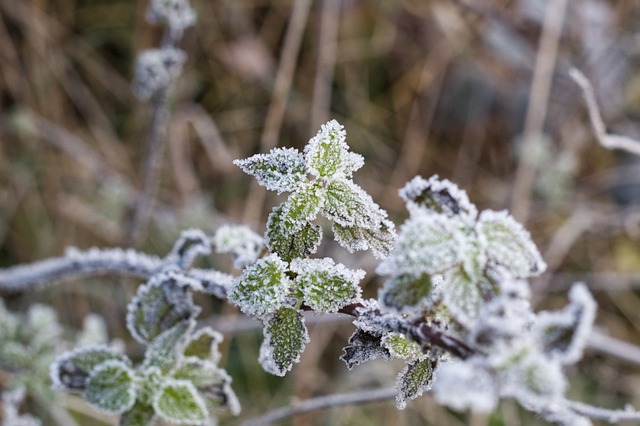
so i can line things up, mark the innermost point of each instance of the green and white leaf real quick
(325, 286)
(285, 337)
(380, 241)
(139, 415)
(406, 293)
(179, 402)
(204, 344)
(240, 242)
(327, 154)
(401, 347)
(159, 304)
(71, 370)
(150, 380)
(282, 170)
(462, 295)
(262, 287)
(438, 196)
(364, 346)
(349, 205)
(166, 349)
(508, 245)
(299, 244)
(200, 372)
(414, 379)
(111, 387)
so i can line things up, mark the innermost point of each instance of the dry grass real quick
(422, 87)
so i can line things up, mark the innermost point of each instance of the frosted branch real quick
(607, 140)
(610, 416)
(352, 398)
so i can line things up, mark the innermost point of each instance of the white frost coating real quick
(577, 317)
(465, 385)
(177, 14)
(191, 244)
(462, 296)
(427, 243)
(156, 69)
(449, 197)
(282, 170)
(240, 242)
(327, 286)
(262, 287)
(347, 204)
(102, 402)
(216, 338)
(327, 154)
(173, 411)
(44, 325)
(509, 245)
(535, 377)
(266, 357)
(88, 356)
(11, 399)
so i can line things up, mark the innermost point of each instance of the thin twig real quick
(611, 346)
(330, 401)
(610, 416)
(607, 140)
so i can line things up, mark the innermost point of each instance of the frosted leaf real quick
(204, 344)
(349, 237)
(262, 287)
(325, 286)
(191, 244)
(282, 170)
(438, 196)
(415, 378)
(158, 305)
(177, 14)
(139, 415)
(297, 244)
(509, 245)
(532, 377)
(427, 244)
(465, 385)
(405, 293)
(165, 350)
(349, 205)
(111, 387)
(285, 337)
(71, 370)
(462, 295)
(156, 69)
(380, 240)
(200, 372)
(400, 347)
(44, 329)
(178, 401)
(150, 380)
(364, 346)
(327, 153)
(94, 331)
(564, 333)
(240, 242)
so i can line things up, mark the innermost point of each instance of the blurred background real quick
(477, 92)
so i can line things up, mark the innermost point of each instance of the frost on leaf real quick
(282, 170)
(298, 244)
(111, 387)
(191, 244)
(364, 346)
(325, 286)
(564, 333)
(509, 245)
(158, 305)
(400, 347)
(404, 293)
(380, 240)
(438, 196)
(262, 287)
(212, 383)
(139, 415)
(179, 402)
(415, 378)
(427, 244)
(327, 154)
(465, 385)
(462, 295)
(285, 337)
(165, 349)
(203, 344)
(71, 370)
(534, 377)
(240, 242)
(349, 205)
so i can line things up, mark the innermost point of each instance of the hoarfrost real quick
(282, 170)
(438, 196)
(240, 242)
(414, 379)
(191, 244)
(178, 401)
(465, 385)
(327, 154)
(285, 337)
(177, 14)
(156, 69)
(364, 346)
(110, 387)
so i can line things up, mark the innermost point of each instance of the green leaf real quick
(349, 205)
(150, 382)
(415, 378)
(439, 196)
(204, 344)
(327, 153)
(298, 244)
(462, 294)
(139, 415)
(111, 387)
(179, 402)
(71, 370)
(200, 372)
(325, 286)
(165, 349)
(364, 346)
(400, 347)
(404, 293)
(262, 287)
(285, 337)
(380, 240)
(282, 170)
(159, 305)
(509, 246)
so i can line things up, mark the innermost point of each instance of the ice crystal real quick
(240, 242)
(285, 337)
(325, 286)
(156, 69)
(262, 287)
(282, 170)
